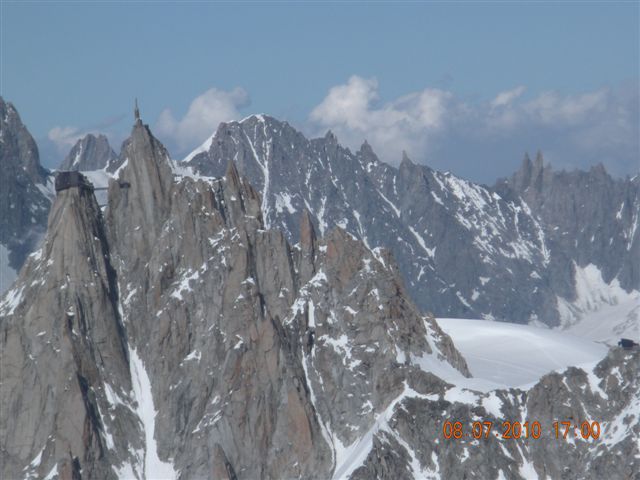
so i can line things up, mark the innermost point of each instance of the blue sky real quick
(462, 87)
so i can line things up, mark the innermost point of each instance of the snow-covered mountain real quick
(591, 223)
(177, 335)
(26, 190)
(91, 152)
(518, 251)
(546, 247)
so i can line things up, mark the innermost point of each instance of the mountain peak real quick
(366, 149)
(18, 145)
(24, 194)
(530, 173)
(141, 196)
(406, 161)
(91, 152)
(136, 112)
(257, 117)
(84, 340)
(539, 163)
(331, 137)
(599, 170)
(522, 177)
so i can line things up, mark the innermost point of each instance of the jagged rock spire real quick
(366, 147)
(331, 138)
(522, 178)
(406, 168)
(405, 158)
(23, 205)
(136, 112)
(84, 348)
(539, 160)
(140, 201)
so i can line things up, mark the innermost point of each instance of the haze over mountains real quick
(176, 332)
(541, 246)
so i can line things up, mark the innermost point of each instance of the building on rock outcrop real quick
(65, 180)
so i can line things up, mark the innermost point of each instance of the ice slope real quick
(154, 468)
(512, 355)
(601, 311)
(204, 147)
(611, 322)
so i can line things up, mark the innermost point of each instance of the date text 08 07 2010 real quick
(560, 430)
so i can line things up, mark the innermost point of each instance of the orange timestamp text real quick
(514, 430)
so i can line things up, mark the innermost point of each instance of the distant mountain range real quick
(519, 251)
(541, 246)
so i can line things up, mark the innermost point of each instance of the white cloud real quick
(65, 137)
(204, 115)
(505, 98)
(548, 109)
(585, 128)
(551, 108)
(353, 113)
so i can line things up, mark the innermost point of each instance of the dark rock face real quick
(64, 353)
(589, 217)
(463, 249)
(90, 153)
(24, 186)
(18, 146)
(179, 337)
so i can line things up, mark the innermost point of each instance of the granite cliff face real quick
(590, 220)
(178, 336)
(91, 152)
(464, 250)
(64, 354)
(237, 317)
(25, 190)
(211, 325)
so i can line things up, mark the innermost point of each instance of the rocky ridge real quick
(91, 152)
(178, 336)
(25, 194)
(465, 250)
(64, 355)
(590, 220)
